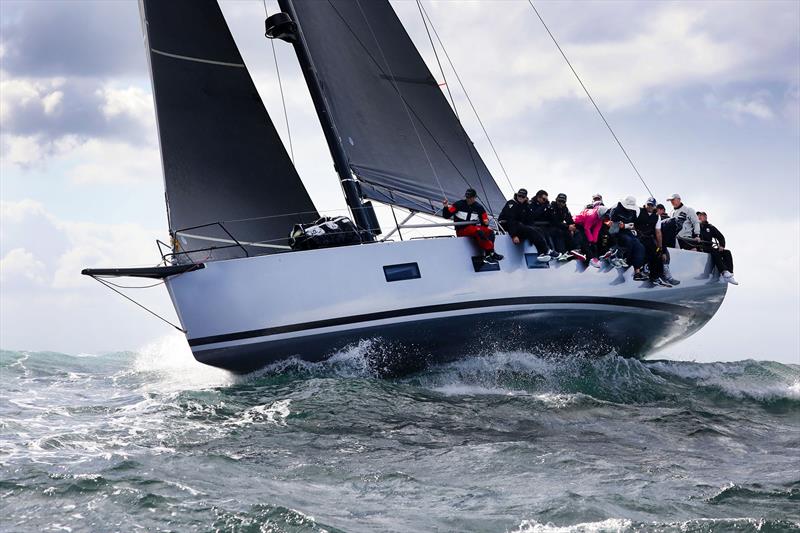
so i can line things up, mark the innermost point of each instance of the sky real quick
(705, 97)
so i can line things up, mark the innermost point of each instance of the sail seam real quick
(197, 59)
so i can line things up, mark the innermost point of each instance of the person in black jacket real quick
(562, 228)
(648, 231)
(542, 217)
(623, 217)
(469, 210)
(515, 218)
(722, 257)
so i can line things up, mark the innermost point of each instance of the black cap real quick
(661, 206)
(470, 193)
(523, 193)
(561, 197)
(702, 213)
(541, 192)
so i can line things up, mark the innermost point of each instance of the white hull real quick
(242, 314)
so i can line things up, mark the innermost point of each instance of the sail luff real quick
(146, 36)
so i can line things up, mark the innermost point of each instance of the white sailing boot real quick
(727, 276)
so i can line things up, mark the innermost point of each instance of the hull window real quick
(401, 272)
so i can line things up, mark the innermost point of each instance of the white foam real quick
(734, 379)
(274, 413)
(171, 360)
(609, 525)
(464, 389)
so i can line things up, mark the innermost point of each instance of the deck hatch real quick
(401, 272)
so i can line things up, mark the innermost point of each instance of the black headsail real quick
(223, 159)
(402, 138)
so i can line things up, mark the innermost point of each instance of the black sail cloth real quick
(401, 136)
(223, 159)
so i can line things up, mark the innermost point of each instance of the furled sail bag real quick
(325, 232)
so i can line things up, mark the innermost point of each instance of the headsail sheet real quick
(403, 139)
(223, 159)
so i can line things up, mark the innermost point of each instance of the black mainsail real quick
(402, 138)
(223, 159)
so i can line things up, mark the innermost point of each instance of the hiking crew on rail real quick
(625, 234)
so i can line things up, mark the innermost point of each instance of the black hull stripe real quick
(396, 313)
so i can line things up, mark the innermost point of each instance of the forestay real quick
(402, 138)
(223, 159)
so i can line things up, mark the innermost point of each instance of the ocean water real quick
(513, 442)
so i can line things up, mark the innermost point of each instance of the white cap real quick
(629, 203)
(675, 196)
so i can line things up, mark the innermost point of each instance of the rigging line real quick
(590, 98)
(105, 278)
(438, 62)
(280, 86)
(283, 99)
(400, 94)
(104, 283)
(467, 140)
(475, 111)
(413, 111)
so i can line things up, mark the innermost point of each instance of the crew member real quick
(469, 210)
(648, 231)
(623, 217)
(515, 218)
(683, 225)
(714, 245)
(542, 218)
(564, 229)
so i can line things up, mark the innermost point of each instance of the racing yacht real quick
(246, 299)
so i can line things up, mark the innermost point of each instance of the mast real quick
(284, 26)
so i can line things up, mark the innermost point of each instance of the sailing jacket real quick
(620, 214)
(591, 223)
(709, 233)
(687, 220)
(561, 216)
(461, 211)
(513, 215)
(541, 214)
(645, 223)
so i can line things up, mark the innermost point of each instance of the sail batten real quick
(198, 59)
(403, 140)
(230, 184)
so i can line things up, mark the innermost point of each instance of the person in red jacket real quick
(469, 210)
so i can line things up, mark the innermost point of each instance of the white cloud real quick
(757, 108)
(42, 284)
(131, 101)
(22, 150)
(17, 94)
(19, 268)
(52, 102)
(100, 161)
(77, 244)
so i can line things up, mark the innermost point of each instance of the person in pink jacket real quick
(591, 220)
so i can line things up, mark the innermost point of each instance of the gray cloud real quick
(75, 38)
(79, 112)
